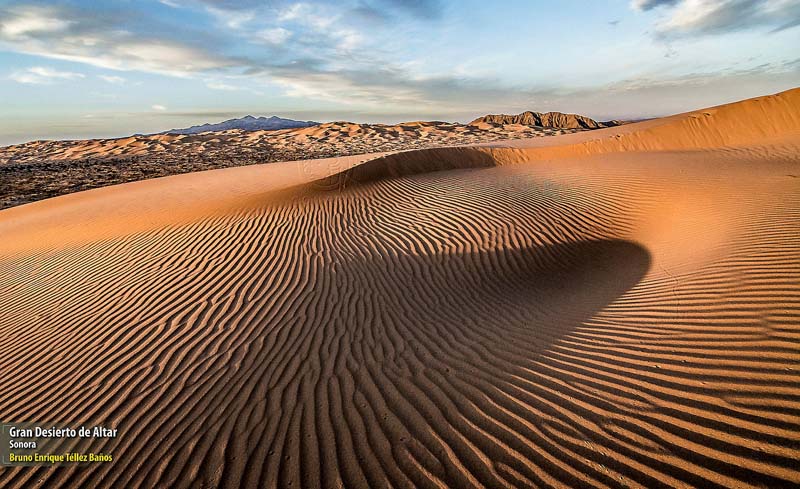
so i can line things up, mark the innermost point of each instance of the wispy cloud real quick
(275, 35)
(158, 107)
(651, 4)
(94, 39)
(298, 10)
(307, 14)
(116, 80)
(706, 17)
(328, 60)
(706, 78)
(233, 19)
(40, 75)
(387, 10)
(25, 22)
(221, 86)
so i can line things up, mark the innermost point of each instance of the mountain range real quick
(528, 118)
(247, 123)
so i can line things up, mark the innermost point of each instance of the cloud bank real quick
(709, 17)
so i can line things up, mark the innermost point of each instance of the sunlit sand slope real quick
(619, 319)
(750, 122)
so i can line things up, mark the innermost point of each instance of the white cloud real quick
(234, 19)
(295, 11)
(117, 80)
(52, 73)
(158, 107)
(221, 86)
(277, 35)
(161, 56)
(691, 14)
(31, 20)
(86, 39)
(348, 39)
(40, 75)
(697, 17)
(154, 56)
(302, 13)
(353, 89)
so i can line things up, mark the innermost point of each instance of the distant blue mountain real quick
(247, 123)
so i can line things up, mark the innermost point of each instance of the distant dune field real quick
(38, 170)
(615, 308)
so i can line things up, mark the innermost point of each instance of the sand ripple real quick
(619, 320)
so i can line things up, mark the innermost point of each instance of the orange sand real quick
(618, 308)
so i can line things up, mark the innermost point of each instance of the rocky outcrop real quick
(547, 119)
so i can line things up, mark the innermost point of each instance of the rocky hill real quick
(546, 119)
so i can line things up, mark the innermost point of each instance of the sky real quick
(85, 69)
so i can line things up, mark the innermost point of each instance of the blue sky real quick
(77, 69)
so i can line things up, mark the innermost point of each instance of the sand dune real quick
(613, 311)
(43, 169)
(757, 121)
(335, 138)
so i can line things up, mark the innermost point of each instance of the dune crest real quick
(754, 121)
(772, 120)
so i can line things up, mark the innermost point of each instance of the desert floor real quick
(615, 308)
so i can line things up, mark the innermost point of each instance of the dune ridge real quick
(750, 122)
(769, 123)
(621, 319)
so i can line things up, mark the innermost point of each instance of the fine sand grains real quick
(617, 320)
